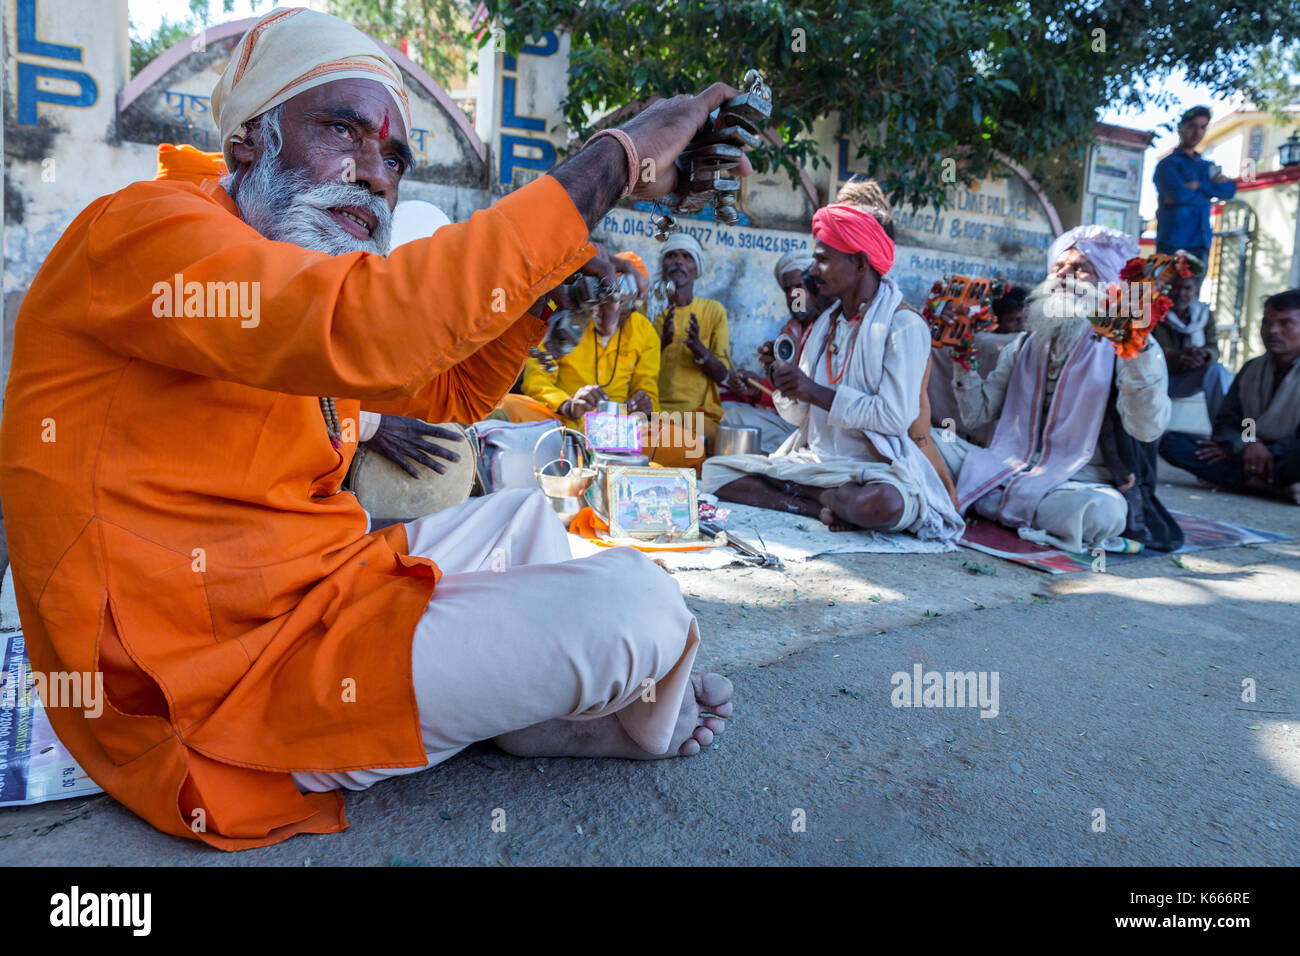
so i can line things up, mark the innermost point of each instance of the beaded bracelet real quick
(633, 160)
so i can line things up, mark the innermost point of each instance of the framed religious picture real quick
(648, 503)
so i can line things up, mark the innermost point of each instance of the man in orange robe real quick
(188, 369)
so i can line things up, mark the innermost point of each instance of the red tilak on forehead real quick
(383, 130)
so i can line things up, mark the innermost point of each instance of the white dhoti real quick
(804, 468)
(517, 633)
(1078, 515)
(775, 429)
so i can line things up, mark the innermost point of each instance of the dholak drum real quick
(391, 495)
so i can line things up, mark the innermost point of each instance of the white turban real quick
(416, 219)
(1107, 249)
(680, 241)
(790, 261)
(289, 51)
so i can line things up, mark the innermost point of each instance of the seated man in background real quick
(694, 339)
(747, 405)
(617, 360)
(855, 393)
(1045, 473)
(1191, 347)
(1256, 443)
(1009, 310)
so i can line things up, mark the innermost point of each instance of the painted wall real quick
(1277, 207)
(64, 63)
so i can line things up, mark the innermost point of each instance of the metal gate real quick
(1229, 266)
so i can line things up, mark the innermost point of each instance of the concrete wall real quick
(63, 68)
(1276, 207)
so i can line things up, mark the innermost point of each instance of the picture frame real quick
(645, 503)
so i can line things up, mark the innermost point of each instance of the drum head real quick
(386, 491)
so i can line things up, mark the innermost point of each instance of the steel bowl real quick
(739, 440)
(563, 478)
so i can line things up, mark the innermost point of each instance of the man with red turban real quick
(855, 395)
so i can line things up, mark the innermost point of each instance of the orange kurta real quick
(171, 497)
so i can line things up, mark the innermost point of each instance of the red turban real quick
(849, 229)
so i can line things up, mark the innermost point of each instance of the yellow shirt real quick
(683, 386)
(622, 367)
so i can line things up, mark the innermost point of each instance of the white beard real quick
(283, 205)
(1057, 312)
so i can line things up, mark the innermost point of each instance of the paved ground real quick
(1118, 692)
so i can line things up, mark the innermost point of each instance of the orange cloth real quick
(521, 408)
(637, 262)
(587, 524)
(171, 497)
(190, 165)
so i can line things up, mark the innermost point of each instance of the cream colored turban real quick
(792, 260)
(289, 51)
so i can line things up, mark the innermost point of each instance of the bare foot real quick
(832, 521)
(702, 717)
(868, 506)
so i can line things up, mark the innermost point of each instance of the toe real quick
(689, 748)
(722, 710)
(714, 724)
(712, 690)
(703, 735)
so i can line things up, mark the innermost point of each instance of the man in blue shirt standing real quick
(1187, 183)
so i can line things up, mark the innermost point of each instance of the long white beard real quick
(283, 205)
(1057, 311)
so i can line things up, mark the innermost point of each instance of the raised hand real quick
(664, 128)
(666, 334)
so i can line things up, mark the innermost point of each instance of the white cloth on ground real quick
(1078, 515)
(517, 634)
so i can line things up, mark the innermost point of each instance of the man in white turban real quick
(1050, 470)
(206, 349)
(755, 409)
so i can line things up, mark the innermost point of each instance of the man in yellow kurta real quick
(188, 369)
(616, 360)
(695, 341)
